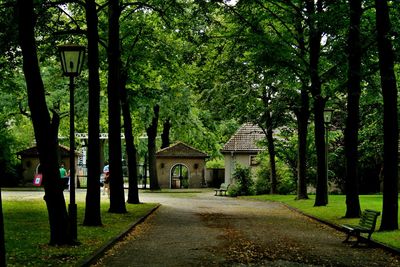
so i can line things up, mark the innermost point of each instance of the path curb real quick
(100, 251)
(341, 229)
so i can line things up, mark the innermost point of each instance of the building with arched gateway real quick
(181, 166)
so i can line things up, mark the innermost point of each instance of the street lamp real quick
(327, 121)
(72, 57)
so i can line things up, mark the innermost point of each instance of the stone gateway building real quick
(181, 166)
(31, 164)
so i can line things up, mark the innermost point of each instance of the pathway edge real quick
(101, 251)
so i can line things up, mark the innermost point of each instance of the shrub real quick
(262, 184)
(243, 180)
(286, 183)
(234, 190)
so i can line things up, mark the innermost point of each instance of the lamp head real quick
(328, 115)
(72, 57)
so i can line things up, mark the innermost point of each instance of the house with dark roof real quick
(242, 149)
(181, 166)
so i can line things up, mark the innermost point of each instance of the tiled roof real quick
(181, 150)
(33, 151)
(245, 139)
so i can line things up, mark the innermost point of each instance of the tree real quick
(390, 120)
(133, 193)
(151, 148)
(117, 198)
(353, 101)
(2, 241)
(314, 8)
(92, 208)
(46, 141)
(165, 140)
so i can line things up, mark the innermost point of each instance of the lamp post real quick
(72, 57)
(327, 121)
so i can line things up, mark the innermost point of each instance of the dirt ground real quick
(206, 230)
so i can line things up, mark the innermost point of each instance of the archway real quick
(179, 176)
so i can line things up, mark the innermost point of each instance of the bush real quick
(262, 184)
(234, 190)
(286, 183)
(244, 184)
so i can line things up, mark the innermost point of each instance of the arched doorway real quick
(179, 176)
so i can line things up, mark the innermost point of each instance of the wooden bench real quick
(366, 225)
(222, 189)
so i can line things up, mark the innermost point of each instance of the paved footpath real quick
(204, 230)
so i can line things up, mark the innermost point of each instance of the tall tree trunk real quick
(268, 131)
(353, 102)
(117, 196)
(303, 115)
(313, 9)
(46, 142)
(92, 208)
(145, 171)
(165, 134)
(133, 192)
(302, 125)
(151, 147)
(321, 197)
(2, 239)
(390, 120)
(271, 152)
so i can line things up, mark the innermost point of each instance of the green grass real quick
(27, 233)
(335, 211)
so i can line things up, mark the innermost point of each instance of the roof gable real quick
(245, 139)
(181, 150)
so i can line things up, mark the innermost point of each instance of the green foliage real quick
(8, 164)
(262, 184)
(286, 181)
(217, 163)
(243, 182)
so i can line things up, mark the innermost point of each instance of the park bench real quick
(366, 225)
(222, 189)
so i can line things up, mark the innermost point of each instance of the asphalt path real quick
(206, 230)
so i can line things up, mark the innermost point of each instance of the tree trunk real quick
(117, 196)
(353, 102)
(303, 115)
(2, 239)
(271, 152)
(390, 120)
(302, 125)
(165, 134)
(133, 192)
(92, 208)
(46, 142)
(151, 147)
(145, 171)
(321, 198)
(268, 131)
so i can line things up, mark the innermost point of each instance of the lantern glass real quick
(72, 57)
(328, 115)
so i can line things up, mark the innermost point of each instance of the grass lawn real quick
(336, 209)
(27, 233)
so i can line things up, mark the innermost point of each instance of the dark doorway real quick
(179, 176)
